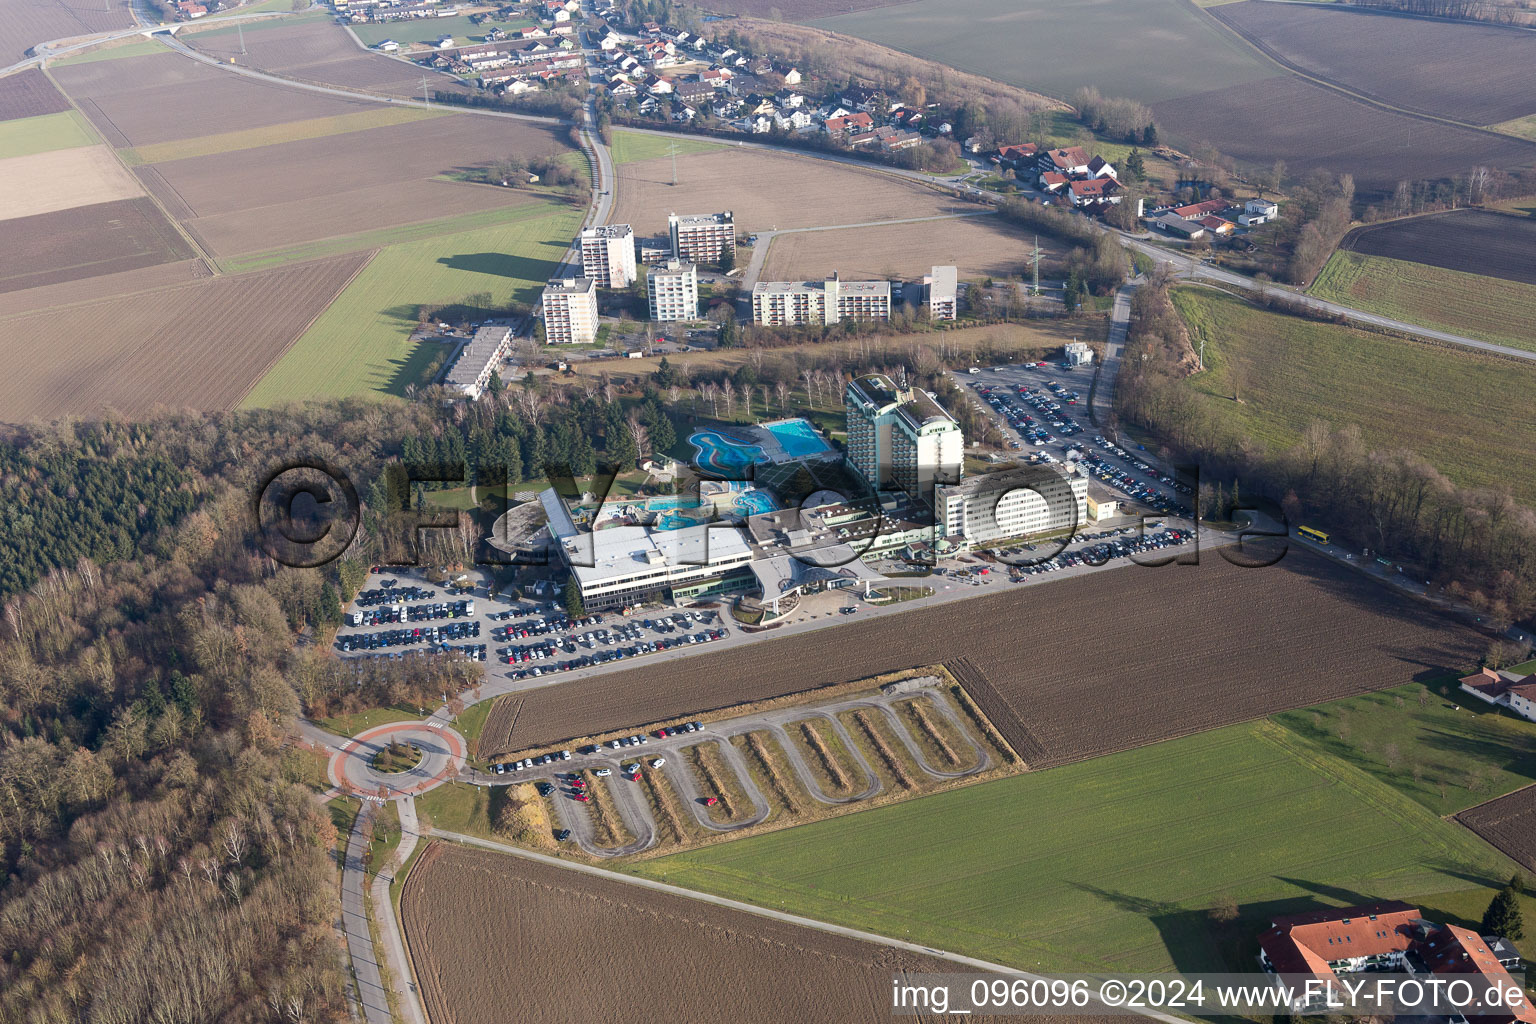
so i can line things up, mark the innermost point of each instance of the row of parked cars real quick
(504, 767)
(409, 636)
(1138, 487)
(413, 613)
(388, 593)
(1098, 554)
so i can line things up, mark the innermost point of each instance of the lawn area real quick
(43, 134)
(1145, 57)
(361, 344)
(1111, 863)
(457, 807)
(1523, 127)
(1432, 742)
(1488, 308)
(1402, 394)
(629, 147)
(472, 720)
(430, 30)
(289, 131)
(351, 725)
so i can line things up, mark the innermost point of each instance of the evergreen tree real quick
(1135, 166)
(1503, 916)
(573, 603)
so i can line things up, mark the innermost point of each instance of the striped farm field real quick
(1488, 308)
(361, 344)
(1112, 863)
(290, 131)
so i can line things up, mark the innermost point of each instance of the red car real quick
(583, 798)
(578, 784)
(660, 734)
(710, 801)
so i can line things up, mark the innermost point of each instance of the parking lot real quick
(1041, 410)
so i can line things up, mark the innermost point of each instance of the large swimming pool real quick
(755, 503)
(797, 437)
(724, 453)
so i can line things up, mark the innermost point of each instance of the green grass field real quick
(288, 131)
(629, 147)
(430, 30)
(1488, 308)
(361, 344)
(130, 47)
(1112, 863)
(1434, 743)
(1402, 394)
(351, 725)
(29, 135)
(1138, 48)
(1521, 127)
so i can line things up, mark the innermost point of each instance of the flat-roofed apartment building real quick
(900, 438)
(702, 237)
(819, 303)
(608, 255)
(472, 371)
(623, 565)
(673, 291)
(1021, 502)
(570, 311)
(941, 289)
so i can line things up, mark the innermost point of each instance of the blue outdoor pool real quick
(797, 437)
(755, 503)
(719, 452)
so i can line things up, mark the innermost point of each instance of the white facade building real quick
(1078, 354)
(570, 311)
(1018, 503)
(702, 237)
(479, 359)
(900, 438)
(673, 291)
(608, 255)
(941, 289)
(819, 303)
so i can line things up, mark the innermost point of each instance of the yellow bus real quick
(1311, 534)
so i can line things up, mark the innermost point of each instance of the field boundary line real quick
(1490, 800)
(1324, 83)
(362, 265)
(764, 912)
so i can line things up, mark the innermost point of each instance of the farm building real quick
(1176, 225)
(1503, 689)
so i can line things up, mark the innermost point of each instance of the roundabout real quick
(398, 759)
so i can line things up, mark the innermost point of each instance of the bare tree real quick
(637, 432)
(783, 389)
(729, 390)
(233, 840)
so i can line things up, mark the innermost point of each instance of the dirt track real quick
(1090, 666)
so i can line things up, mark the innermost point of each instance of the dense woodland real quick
(1480, 544)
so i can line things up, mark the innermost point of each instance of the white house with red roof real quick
(1504, 689)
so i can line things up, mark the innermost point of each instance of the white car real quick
(657, 762)
(603, 772)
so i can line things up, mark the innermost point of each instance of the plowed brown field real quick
(1508, 824)
(200, 345)
(488, 932)
(104, 238)
(787, 192)
(280, 195)
(136, 101)
(976, 246)
(25, 23)
(29, 94)
(1103, 663)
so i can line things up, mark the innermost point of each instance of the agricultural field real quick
(273, 135)
(795, 10)
(977, 246)
(1402, 394)
(100, 286)
(61, 179)
(29, 135)
(198, 345)
(1508, 823)
(1267, 640)
(575, 947)
(1311, 127)
(1473, 241)
(1111, 863)
(289, 193)
(1430, 741)
(1469, 304)
(632, 147)
(87, 241)
(430, 30)
(1146, 56)
(1474, 73)
(24, 23)
(139, 101)
(362, 342)
(319, 50)
(29, 94)
(792, 192)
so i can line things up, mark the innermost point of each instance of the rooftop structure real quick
(1021, 502)
(471, 372)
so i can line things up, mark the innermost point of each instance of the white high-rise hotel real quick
(570, 311)
(608, 255)
(673, 292)
(900, 438)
